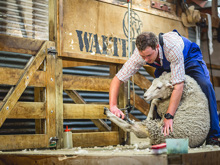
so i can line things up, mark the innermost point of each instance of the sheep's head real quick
(161, 88)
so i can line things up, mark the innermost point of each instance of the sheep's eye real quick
(158, 87)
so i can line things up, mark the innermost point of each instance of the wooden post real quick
(122, 101)
(50, 96)
(215, 8)
(39, 96)
(59, 101)
(54, 36)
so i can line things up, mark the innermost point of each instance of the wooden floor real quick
(109, 156)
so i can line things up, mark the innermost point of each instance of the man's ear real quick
(157, 46)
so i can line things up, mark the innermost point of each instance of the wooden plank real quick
(67, 63)
(95, 139)
(83, 111)
(23, 82)
(74, 95)
(17, 142)
(140, 104)
(39, 96)
(113, 70)
(71, 82)
(201, 158)
(50, 96)
(218, 106)
(27, 110)
(216, 81)
(10, 76)
(141, 81)
(122, 102)
(217, 67)
(90, 59)
(59, 102)
(19, 45)
(149, 70)
(68, 157)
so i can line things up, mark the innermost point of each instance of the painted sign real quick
(94, 28)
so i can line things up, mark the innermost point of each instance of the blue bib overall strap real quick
(196, 68)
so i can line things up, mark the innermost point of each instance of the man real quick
(175, 54)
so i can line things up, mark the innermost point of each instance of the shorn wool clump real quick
(191, 120)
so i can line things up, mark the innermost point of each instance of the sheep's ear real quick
(169, 85)
(164, 73)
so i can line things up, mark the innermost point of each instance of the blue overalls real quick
(196, 68)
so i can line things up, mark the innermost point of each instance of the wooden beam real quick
(89, 58)
(140, 104)
(133, 117)
(95, 139)
(122, 102)
(84, 111)
(59, 102)
(113, 70)
(149, 70)
(74, 95)
(39, 95)
(218, 106)
(18, 142)
(50, 96)
(71, 82)
(217, 67)
(215, 8)
(10, 76)
(23, 82)
(67, 63)
(27, 110)
(216, 81)
(141, 81)
(19, 45)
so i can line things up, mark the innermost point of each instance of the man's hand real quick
(168, 126)
(117, 112)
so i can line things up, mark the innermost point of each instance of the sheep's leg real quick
(137, 128)
(154, 104)
(118, 121)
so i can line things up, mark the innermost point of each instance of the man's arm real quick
(173, 105)
(113, 97)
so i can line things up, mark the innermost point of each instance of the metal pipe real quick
(129, 45)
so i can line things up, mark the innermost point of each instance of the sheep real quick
(191, 120)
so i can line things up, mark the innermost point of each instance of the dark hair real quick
(146, 39)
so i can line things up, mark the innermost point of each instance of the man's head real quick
(147, 45)
(146, 39)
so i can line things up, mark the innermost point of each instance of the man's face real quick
(149, 55)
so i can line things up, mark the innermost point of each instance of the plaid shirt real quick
(173, 50)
